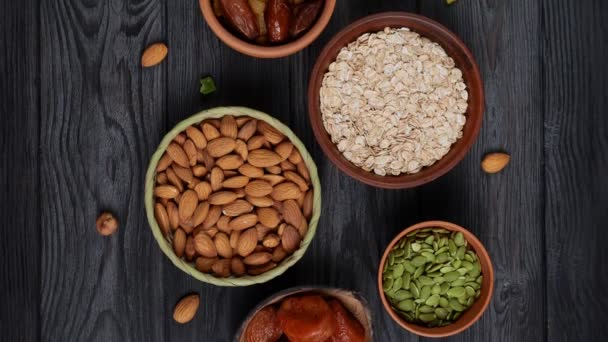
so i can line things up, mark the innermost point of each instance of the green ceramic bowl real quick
(165, 245)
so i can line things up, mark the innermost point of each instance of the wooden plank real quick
(504, 210)
(19, 170)
(576, 191)
(101, 116)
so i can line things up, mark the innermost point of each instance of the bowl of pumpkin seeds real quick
(435, 279)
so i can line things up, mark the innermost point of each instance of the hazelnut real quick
(106, 224)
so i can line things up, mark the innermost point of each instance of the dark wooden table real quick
(80, 119)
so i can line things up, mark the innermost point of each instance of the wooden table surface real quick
(81, 119)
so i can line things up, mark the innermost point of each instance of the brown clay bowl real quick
(454, 47)
(352, 302)
(260, 51)
(468, 317)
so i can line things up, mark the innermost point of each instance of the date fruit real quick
(305, 15)
(241, 16)
(278, 20)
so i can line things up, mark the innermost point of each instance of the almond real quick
(247, 242)
(222, 197)
(229, 162)
(295, 157)
(228, 127)
(210, 131)
(178, 155)
(214, 214)
(179, 242)
(234, 238)
(292, 213)
(248, 130)
(257, 270)
(260, 202)
(166, 191)
(222, 244)
(204, 245)
(263, 158)
(285, 191)
(237, 208)
(237, 266)
(204, 264)
(243, 221)
(163, 163)
(271, 241)
(197, 137)
(275, 170)
(211, 231)
(303, 171)
(262, 230)
(308, 203)
(215, 122)
(284, 150)
(240, 192)
(189, 251)
(161, 178)
(223, 224)
(200, 213)
(203, 190)
(154, 54)
(199, 170)
(279, 254)
(186, 308)
(303, 228)
(251, 171)
(270, 133)
(255, 142)
(273, 179)
(229, 173)
(208, 160)
(173, 214)
(221, 146)
(290, 240)
(286, 165)
(180, 138)
(269, 217)
(258, 188)
(495, 162)
(296, 178)
(221, 268)
(241, 120)
(235, 182)
(183, 173)
(194, 182)
(162, 218)
(257, 259)
(241, 149)
(191, 152)
(187, 204)
(216, 178)
(174, 179)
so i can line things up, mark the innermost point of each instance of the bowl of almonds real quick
(435, 279)
(232, 196)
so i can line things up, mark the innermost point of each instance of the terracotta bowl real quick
(353, 302)
(454, 47)
(260, 51)
(468, 317)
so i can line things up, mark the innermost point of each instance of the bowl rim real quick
(401, 181)
(484, 258)
(167, 248)
(260, 51)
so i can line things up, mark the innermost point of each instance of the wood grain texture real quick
(19, 172)
(101, 114)
(504, 210)
(575, 91)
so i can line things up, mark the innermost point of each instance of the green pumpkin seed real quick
(427, 317)
(441, 313)
(426, 309)
(462, 300)
(430, 257)
(443, 302)
(472, 255)
(468, 258)
(452, 247)
(461, 252)
(479, 280)
(425, 292)
(424, 280)
(459, 239)
(435, 245)
(402, 294)
(455, 305)
(418, 272)
(470, 301)
(432, 300)
(439, 280)
(399, 252)
(434, 274)
(406, 305)
(472, 285)
(442, 258)
(477, 293)
(398, 270)
(408, 266)
(456, 263)
(467, 264)
(388, 284)
(406, 281)
(456, 315)
(418, 261)
(415, 291)
(434, 268)
(441, 250)
(451, 276)
(444, 288)
(416, 247)
(429, 240)
(462, 271)
(397, 284)
(456, 292)
(446, 269)
(458, 282)
(391, 259)
(436, 289)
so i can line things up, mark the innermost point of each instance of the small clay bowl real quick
(276, 51)
(352, 302)
(453, 46)
(468, 317)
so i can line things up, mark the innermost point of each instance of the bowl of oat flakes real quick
(395, 100)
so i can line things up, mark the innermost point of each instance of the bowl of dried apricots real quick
(232, 196)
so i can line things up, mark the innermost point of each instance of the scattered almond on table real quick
(233, 196)
(106, 224)
(495, 162)
(154, 54)
(186, 308)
